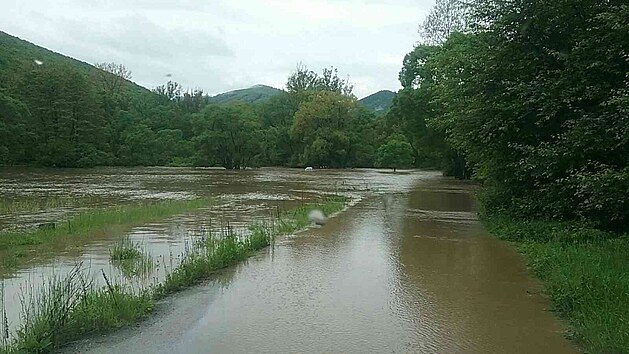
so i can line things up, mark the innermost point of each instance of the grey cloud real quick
(220, 45)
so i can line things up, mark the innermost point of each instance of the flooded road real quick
(408, 269)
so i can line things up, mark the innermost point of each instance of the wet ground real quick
(408, 268)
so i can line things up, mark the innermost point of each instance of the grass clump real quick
(16, 246)
(586, 276)
(125, 250)
(130, 258)
(68, 308)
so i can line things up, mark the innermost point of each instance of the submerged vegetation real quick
(15, 247)
(28, 204)
(125, 250)
(71, 307)
(130, 258)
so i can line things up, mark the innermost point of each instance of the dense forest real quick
(533, 99)
(59, 112)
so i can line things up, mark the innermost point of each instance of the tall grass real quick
(15, 246)
(585, 273)
(69, 308)
(125, 250)
(130, 258)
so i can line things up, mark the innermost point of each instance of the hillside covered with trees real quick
(378, 102)
(60, 112)
(254, 94)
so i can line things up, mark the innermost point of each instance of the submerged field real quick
(106, 243)
(22, 247)
(72, 306)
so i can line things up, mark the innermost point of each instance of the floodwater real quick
(407, 268)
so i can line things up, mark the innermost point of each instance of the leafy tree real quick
(14, 118)
(113, 77)
(323, 124)
(304, 79)
(535, 97)
(228, 136)
(171, 91)
(396, 153)
(445, 18)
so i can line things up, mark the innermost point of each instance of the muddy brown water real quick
(407, 269)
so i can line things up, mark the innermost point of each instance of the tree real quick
(303, 79)
(14, 120)
(65, 117)
(535, 97)
(113, 76)
(396, 153)
(322, 124)
(445, 18)
(228, 136)
(171, 91)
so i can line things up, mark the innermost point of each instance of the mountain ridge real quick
(378, 102)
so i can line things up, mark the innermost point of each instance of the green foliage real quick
(304, 80)
(64, 113)
(535, 98)
(586, 275)
(396, 153)
(228, 136)
(326, 125)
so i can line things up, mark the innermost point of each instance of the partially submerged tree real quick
(227, 135)
(396, 153)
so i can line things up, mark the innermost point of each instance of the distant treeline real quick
(534, 98)
(58, 112)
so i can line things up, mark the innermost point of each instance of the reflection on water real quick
(407, 269)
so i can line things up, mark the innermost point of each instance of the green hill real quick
(254, 94)
(379, 102)
(59, 111)
(18, 56)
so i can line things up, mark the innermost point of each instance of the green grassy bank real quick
(18, 248)
(586, 276)
(70, 308)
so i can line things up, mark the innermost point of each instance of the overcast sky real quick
(226, 44)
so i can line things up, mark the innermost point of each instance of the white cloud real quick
(223, 45)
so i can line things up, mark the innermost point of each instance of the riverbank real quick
(69, 308)
(585, 273)
(17, 248)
